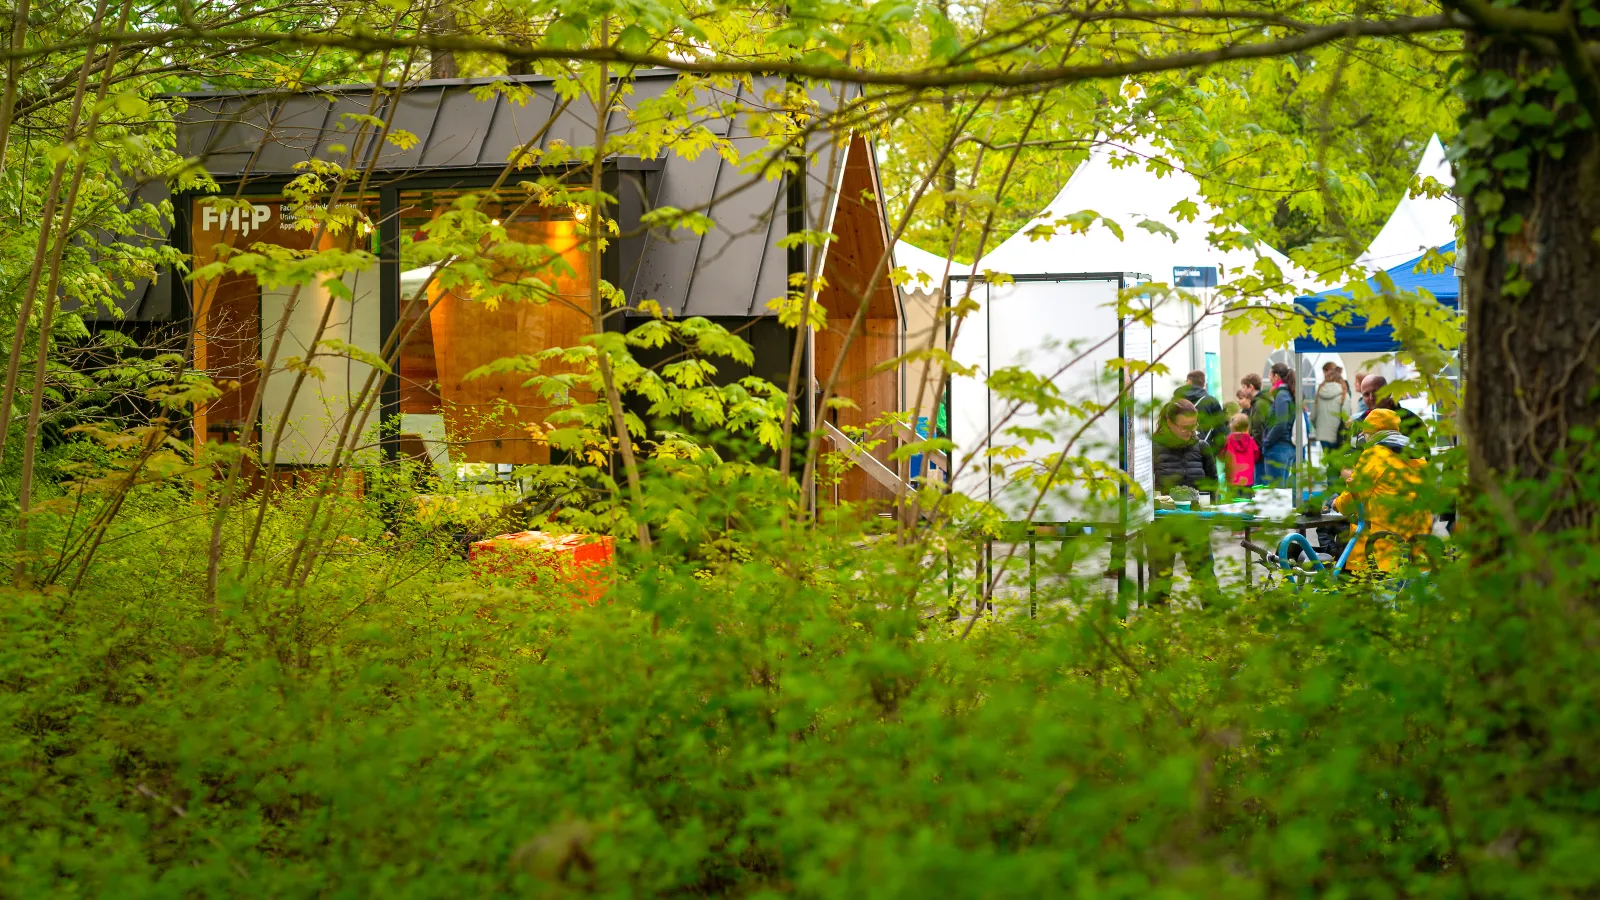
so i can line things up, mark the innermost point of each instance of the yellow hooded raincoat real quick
(1383, 493)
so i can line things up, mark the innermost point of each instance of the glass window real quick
(479, 282)
(520, 288)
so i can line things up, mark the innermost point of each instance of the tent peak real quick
(1418, 224)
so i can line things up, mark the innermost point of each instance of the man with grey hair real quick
(1411, 424)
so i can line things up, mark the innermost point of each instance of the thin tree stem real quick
(597, 313)
(46, 220)
(30, 432)
(8, 103)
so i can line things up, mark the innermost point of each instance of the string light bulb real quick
(495, 222)
(581, 213)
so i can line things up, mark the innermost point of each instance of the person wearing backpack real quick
(1212, 424)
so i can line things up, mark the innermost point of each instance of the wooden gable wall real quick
(869, 375)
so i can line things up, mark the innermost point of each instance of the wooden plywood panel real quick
(489, 417)
(232, 334)
(419, 369)
(867, 376)
(861, 246)
(874, 390)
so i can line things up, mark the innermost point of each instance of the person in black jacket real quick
(1180, 459)
(1213, 424)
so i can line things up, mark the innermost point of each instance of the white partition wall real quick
(324, 398)
(1064, 329)
(1175, 326)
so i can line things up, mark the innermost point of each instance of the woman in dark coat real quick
(1180, 459)
(1277, 444)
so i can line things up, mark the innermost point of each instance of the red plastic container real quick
(581, 560)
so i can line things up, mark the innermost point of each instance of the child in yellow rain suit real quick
(1383, 492)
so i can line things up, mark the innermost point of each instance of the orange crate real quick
(581, 560)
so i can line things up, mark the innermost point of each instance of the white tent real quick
(1418, 224)
(1129, 194)
(1060, 309)
(920, 300)
(918, 262)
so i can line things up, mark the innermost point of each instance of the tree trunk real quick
(1531, 283)
(442, 63)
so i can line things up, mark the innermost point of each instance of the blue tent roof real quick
(1356, 337)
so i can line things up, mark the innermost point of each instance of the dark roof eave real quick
(355, 87)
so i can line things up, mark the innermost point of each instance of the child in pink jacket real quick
(1241, 452)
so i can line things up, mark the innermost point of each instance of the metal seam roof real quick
(458, 133)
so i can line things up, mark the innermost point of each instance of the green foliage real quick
(747, 712)
(210, 688)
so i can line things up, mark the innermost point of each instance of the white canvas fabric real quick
(1417, 224)
(1127, 195)
(918, 262)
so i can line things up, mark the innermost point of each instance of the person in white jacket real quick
(1328, 410)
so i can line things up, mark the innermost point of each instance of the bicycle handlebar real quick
(1253, 547)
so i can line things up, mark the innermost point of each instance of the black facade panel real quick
(196, 123)
(728, 270)
(295, 134)
(733, 270)
(239, 126)
(458, 131)
(340, 133)
(516, 124)
(669, 258)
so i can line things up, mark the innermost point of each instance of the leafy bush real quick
(787, 718)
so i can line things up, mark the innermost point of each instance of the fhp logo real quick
(235, 218)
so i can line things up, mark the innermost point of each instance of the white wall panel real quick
(323, 401)
(1066, 331)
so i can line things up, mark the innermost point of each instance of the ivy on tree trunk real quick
(1531, 180)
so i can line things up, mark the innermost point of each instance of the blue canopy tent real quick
(1356, 337)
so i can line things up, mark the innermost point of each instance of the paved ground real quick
(1011, 595)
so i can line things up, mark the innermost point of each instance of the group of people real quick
(1253, 437)
(1254, 440)
(1336, 408)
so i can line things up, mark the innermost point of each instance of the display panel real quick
(1064, 331)
(238, 319)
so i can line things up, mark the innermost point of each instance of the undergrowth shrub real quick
(760, 711)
